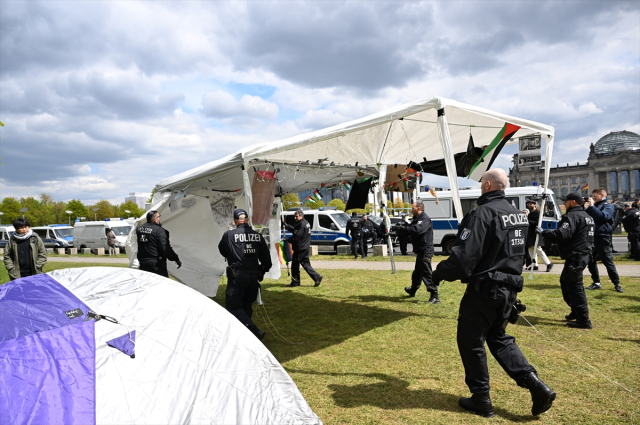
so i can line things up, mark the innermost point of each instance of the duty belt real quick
(497, 279)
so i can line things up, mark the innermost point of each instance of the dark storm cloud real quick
(366, 45)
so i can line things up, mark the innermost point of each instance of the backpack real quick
(617, 215)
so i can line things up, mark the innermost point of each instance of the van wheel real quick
(83, 246)
(447, 246)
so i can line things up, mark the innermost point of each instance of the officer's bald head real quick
(495, 179)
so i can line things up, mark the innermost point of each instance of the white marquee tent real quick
(196, 205)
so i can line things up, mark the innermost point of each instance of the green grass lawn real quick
(364, 353)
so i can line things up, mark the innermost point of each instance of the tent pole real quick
(548, 150)
(248, 196)
(445, 140)
(387, 221)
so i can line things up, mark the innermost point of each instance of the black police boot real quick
(549, 267)
(318, 281)
(409, 290)
(580, 324)
(619, 288)
(541, 395)
(260, 334)
(434, 298)
(594, 285)
(571, 316)
(480, 404)
(293, 284)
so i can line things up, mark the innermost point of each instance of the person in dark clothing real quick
(24, 254)
(602, 213)
(488, 256)
(533, 215)
(631, 223)
(421, 232)
(368, 232)
(403, 236)
(354, 229)
(574, 237)
(248, 259)
(154, 248)
(300, 241)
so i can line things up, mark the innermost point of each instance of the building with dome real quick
(613, 163)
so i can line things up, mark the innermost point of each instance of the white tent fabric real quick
(398, 135)
(194, 362)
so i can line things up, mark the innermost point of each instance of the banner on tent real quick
(530, 154)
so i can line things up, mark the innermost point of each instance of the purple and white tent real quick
(173, 356)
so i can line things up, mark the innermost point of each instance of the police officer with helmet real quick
(421, 232)
(354, 229)
(488, 256)
(248, 259)
(154, 248)
(574, 236)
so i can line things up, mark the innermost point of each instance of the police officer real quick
(574, 236)
(154, 248)
(488, 256)
(248, 259)
(421, 232)
(403, 237)
(300, 241)
(368, 231)
(354, 228)
(533, 215)
(631, 223)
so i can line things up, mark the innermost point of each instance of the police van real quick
(93, 234)
(55, 235)
(328, 226)
(445, 223)
(5, 234)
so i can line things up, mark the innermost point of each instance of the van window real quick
(41, 232)
(513, 200)
(93, 232)
(468, 205)
(441, 210)
(64, 233)
(325, 221)
(290, 220)
(341, 218)
(121, 230)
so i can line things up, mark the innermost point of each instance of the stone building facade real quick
(613, 163)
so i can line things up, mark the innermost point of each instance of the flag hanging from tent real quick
(494, 148)
(346, 185)
(310, 199)
(285, 253)
(316, 195)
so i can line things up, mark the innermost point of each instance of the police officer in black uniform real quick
(488, 256)
(154, 248)
(421, 232)
(354, 228)
(300, 241)
(368, 232)
(403, 237)
(248, 259)
(574, 236)
(631, 223)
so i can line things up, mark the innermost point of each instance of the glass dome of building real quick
(617, 141)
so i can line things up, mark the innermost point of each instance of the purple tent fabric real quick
(124, 343)
(47, 354)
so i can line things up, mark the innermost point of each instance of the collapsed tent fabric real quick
(435, 128)
(194, 363)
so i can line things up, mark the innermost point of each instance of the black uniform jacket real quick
(368, 229)
(574, 234)
(153, 243)
(245, 249)
(631, 221)
(421, 232)
(354, 228)
(491, 237)
(300, 235)
(533, 218)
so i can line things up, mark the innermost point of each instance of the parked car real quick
(92, 234)
(5, 234)
(327, 226)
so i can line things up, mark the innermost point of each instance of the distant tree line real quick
(45, 210)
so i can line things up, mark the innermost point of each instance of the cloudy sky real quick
(100, 99)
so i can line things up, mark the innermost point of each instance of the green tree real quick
(407, 205)
(105, 210)
(397, 203)
(10, 207)
(45, 210)
(153, 192)
(58, 213)
(315, 206)
(77, 208)
(290, 200)
(134, 210)
(337, 203)
(33, 210)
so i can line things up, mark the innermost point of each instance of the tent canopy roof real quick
(397, 135)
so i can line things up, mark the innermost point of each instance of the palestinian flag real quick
(323, 185)
(310, 199)
(316, 195)
(491, 152)
(346, 185)
(285, 254)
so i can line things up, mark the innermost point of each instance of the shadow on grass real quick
(313, 323)
(629, 309)
(540, 287)
(637, 341)
(376, 298)
(534, 320)
(393, 393)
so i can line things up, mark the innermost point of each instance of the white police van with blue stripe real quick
(328, 226)
(445, 223)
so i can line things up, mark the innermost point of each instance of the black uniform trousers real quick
(571, 283)
(242, 291)
(403, 240)
(634, 246)
(603, 248)
(301, 258)
(485, 319)
(155, 266)
(422, 272)
(355, 245)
